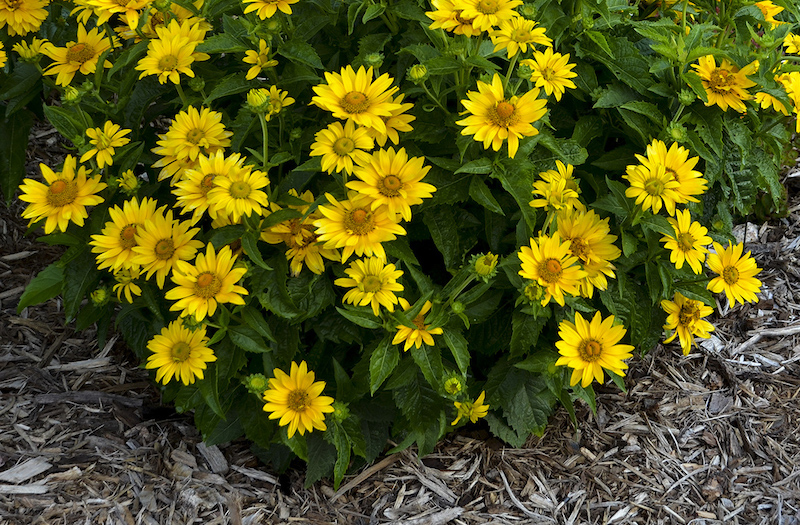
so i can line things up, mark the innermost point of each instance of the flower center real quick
(521, 35)
(359, 221)
(168, 63)
(127, 236)
(487, 7)
(371, 284)
(195, 135)
(730, 274)
(550, 270)
(503, 114)
(343, 146)
(354, 102)
(208, 285)
(207, 183)
(391, 185)
(240, 189)
(80, 53)
(419, 322)
(13, 5)
(103, 141)
(688, 314)
(579, 248)
(297, 400)
(61, 193)
(180, 352)
(685, 241)
(718, 81)
(165, 248)
(504, 109)
(548, 74)
(590, 350)
(654, 187)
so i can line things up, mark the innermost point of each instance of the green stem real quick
(182, 95)
(434, 99)
(265, 141)
(510, 69)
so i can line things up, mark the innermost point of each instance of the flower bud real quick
(527, 11)
(373, 60)
(258, 101)
(485, 265)
(296, 133)
(162, 5)
(100, 296)
(458, 307)
(686, 97)
(71, 96)
(340, 411)
(453, 385)
(417, 74)
(128, 182)
(197, 84)
(533, 292)
(524, 72)
(256, 384)
(677, 132)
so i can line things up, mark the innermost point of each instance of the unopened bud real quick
(256, 384)
(687, 97)
(197, 84)
(417, 73)
(374, 60)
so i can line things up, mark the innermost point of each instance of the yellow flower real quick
(239, 194)
(371, 282)
(685, 316)
(355, 96)
(3, 56)
(399, 120)
(558, 189)
(516, 34)
(421, 333)
(114, 245)
(260, 60)
(355, 227)
(295, 400)
(80, 56)
(679, 167)
(267, 9)
(589, 347)
(160, 242)
(448, 16)
(125, 278)
(736, 274)
(127, 9)
(180, 352)
(63, 198)
(393, 179)
(548, 262)
(652, 188)
(769, 10)
(689, 242)
(22, 16)
(167, 59)
(792, 43)
(472, 410)
(591, 242)
(30, 52)
(488, 13)
(725, 84)
(494, 118)
(340, 146)
(277, 101)
(192, 190)
(551, 71)
(485, 265)
(104, 141)
(765, 100)
(210, 280)
(128, 182)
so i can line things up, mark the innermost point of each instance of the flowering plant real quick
(325, 224)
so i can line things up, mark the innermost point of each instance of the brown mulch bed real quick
(712, 438)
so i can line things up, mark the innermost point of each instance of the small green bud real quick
(340, 411)
(197, 84)
(128, 182)
(457, 48)
(296, 133)
(687, 97)
(524, 72)
(256, 384)
(191, 323)
(718, 225)
(374, 60)
(100, 296)
(71, 96)
(533, 292)
(458, 307)
(272, 25)
(597, 93)
(484, 265)
(527, 11)
(162, 5)
(453, 385)
(417, 74)
(677, 132)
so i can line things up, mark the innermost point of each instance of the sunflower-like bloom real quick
(398, 121)
(393, 179)
(210, 280)
(239, 194)
(736, 275)
(792, 43)
(104, 141)
(679, 167)
(126, 284)
(494, 118)
(22, 16)
(114, 245)
(725, 84)
(295, 400)
(167, 59)
(551, 72)
(516, 34)
(355, 227)
(80, 56)
(652, 188)
(588, 347)
(259, 60)
(192, 190)
(472, 410)
(129, 10)
(591, 242)
(767, 101)
(557, 190)
(421, 333)
(769, 10)
(180, 352)
(30, 52)
(685, 317)
(63, 198)
(548, 262)
(448, 15)
(355, 96)
(267, 9)
(277, 101)
(161, 241)
(689, 243)
(372, 282)
(341, 146)
(488, 13)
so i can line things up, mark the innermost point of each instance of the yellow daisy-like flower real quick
(3, 56)
(239, 194)
(685, 317)
(766, 101)
(63, 198)
(167, 59)
(558, 189)
(355, 96)
(516, 34)
(277, 101)
(104, 141)
(295, 400)
(393, 179)
(488, 13)
(421, 333)
(355, 227)
(210, 280)
(192, 190)
(161, 241)
(725, 84)
(267, 9)
(494, 118)
(591, 242)
(341, 146)
(126, 284)
(588, 347)
(30, 52)
(80, 56)
(736, 274)
(472, 410)
(399, 120)
(179, 352)
(688, 244)
(129, 10)
(22, 16)
(769, 10)
(551, 72)
(679, 167)
(448, 16)
(371, 282)
(259, 59)
(792, 43)
(548, 262)
(114, 245)
(652, 188)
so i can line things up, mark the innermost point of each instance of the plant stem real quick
(264, 140)
(182, 95)
(510, 69)
(434, 99)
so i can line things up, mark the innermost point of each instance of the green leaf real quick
(209, 388)
(64, 121)
(525, 332)
(46, 285)
(363, 317)
(226, 235)
(80, 277)
(599, 39)
(519, 183)
(252, 316)
(221, 43)
(13, 144)
(657, 223)
(21, 81)
(230, 85)
(444, 232)
(458, 347)
(247, 339)
(342, 443)
(382, 363)
(128, 57)
(301, 52)
(352, 15)
(429, 361)
(477, 166)
(224, 432)
(252, 250)
(481, 193)
(372, 12)
(321, 458)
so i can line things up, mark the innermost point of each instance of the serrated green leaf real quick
(252, 316)
(321, 458)
(65, 121)
(221, 43)
(13, 145)
(429, 361)
(373, 11)
(481, 193)
(301, 52)
(46, 285)
(458, 347)
(444, 231)
(80, 277)
(250, 245)
(382, 363)
(247, 339)
(362, 317)
(230, 85)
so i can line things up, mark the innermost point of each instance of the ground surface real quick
(711, 438)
